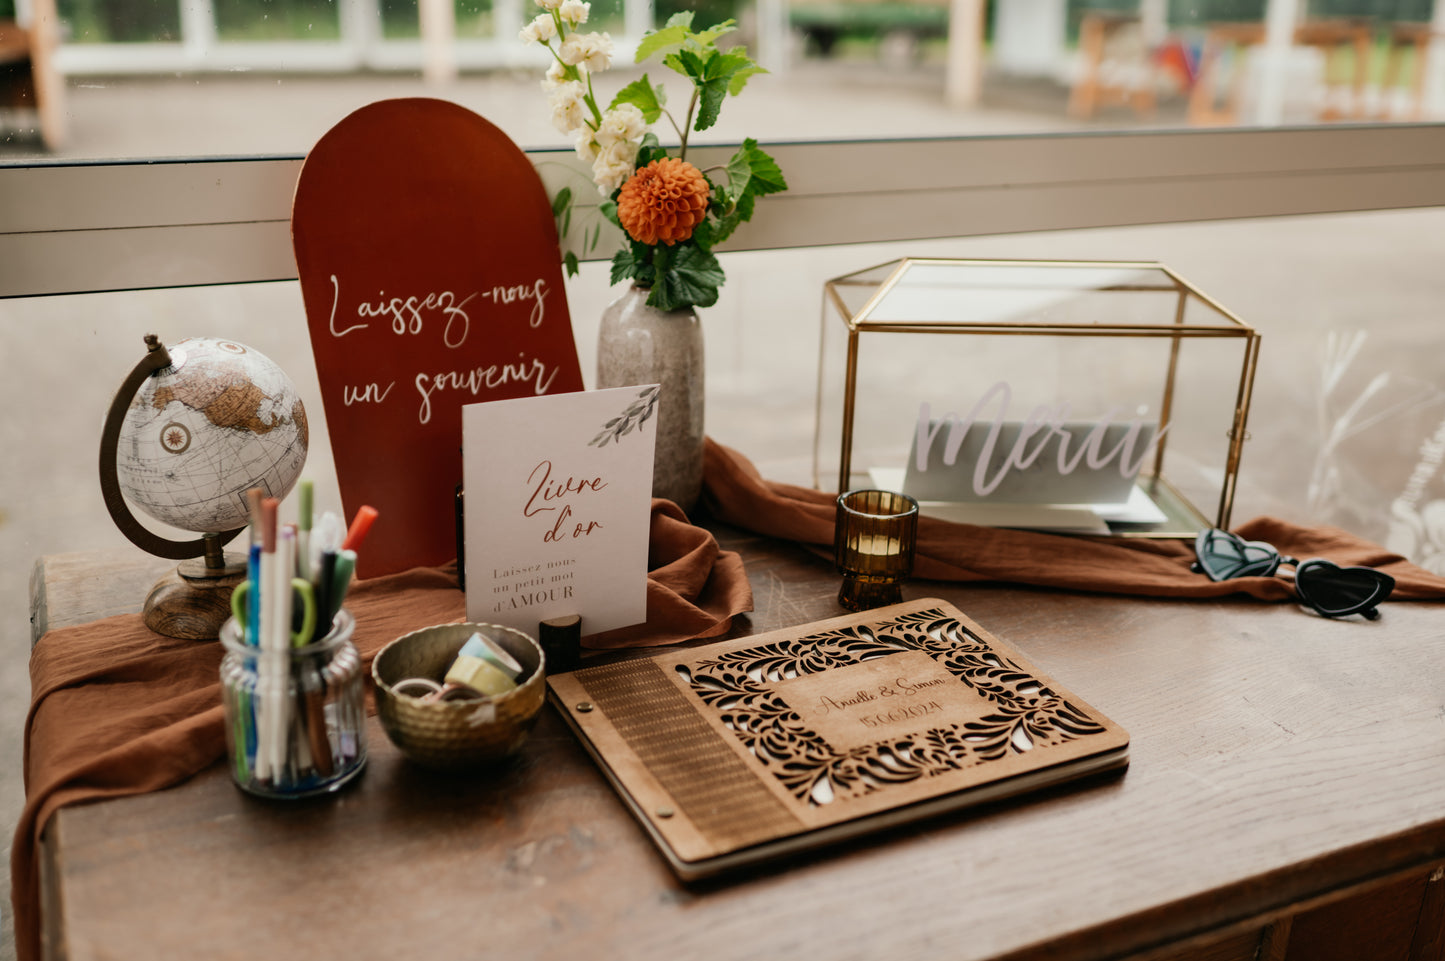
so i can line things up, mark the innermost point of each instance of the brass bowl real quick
(453, 735)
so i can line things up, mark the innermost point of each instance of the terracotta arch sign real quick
(431, 276)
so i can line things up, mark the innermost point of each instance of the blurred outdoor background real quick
(112, 77)
(1350, 398)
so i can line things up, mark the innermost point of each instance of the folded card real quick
(558, 500)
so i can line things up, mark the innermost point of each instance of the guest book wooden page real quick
(429, 265)
(737, 751)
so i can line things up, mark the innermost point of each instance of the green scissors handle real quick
(302, 587)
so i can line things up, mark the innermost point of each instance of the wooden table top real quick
(1278, 758)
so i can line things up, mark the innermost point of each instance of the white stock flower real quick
(624, 122)
(614, 165)
(586, 146)
(549, 4)
(592, 49)
(569, 109)
(542, 29)
(556, 76)
(574, 12)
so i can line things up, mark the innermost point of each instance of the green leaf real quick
(721, 65)
(708, 37)
(569, 260)
(687, 63)
(725, 225)
(720, 201)
(636, 261)
(562, 201)
(624, 266)
(642, 94)
(666, 39)
(608, 210)
(767, 176)
(713, 82)
(740, 174)
(752, 173)
(677, 35)
(744, 209)
(740, 79)
(649, 150)
(704, 235)
(692, 280)
(709, 103)
(730, 221)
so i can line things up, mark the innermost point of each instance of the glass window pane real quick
(120, 21)
(1345, 425)
(213, 77)
(284, 20)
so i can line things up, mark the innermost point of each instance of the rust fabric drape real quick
(117, 710)
(737, 494)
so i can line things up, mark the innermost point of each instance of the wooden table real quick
(1286, 798)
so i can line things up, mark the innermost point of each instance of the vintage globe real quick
(199, 434)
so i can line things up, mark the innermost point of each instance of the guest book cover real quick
(738, 751)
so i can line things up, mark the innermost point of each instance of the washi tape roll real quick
(416, 686)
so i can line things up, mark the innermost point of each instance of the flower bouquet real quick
(672, 213)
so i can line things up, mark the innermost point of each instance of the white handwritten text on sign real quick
(418, 315)
(1047, 429)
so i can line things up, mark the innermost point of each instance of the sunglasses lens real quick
(1338, 591)
(1223, 555)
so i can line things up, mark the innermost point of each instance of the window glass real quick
(141, 78)
(99, 22)
(292, 20)
(1347, 423)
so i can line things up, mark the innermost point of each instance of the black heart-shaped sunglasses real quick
(1325, 587)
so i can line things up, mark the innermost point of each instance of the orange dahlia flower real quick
(664, 201)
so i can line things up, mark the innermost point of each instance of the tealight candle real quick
(873, 543)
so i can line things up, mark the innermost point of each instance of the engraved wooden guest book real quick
(735, 752)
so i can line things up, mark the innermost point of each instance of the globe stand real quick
(193, 602)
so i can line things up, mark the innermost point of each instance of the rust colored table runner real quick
(735, 493)
(117, 710)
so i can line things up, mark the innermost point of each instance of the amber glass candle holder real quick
(873, 543)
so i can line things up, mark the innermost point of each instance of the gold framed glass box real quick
(1037, 394)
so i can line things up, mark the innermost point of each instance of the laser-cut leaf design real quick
(737, 684)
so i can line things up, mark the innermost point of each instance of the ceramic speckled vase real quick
(638, 344)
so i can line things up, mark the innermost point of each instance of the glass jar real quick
(295, 720)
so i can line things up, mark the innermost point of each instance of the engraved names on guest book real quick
(429, 266)
(735, 752)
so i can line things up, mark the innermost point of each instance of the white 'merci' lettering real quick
(1042, 424)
